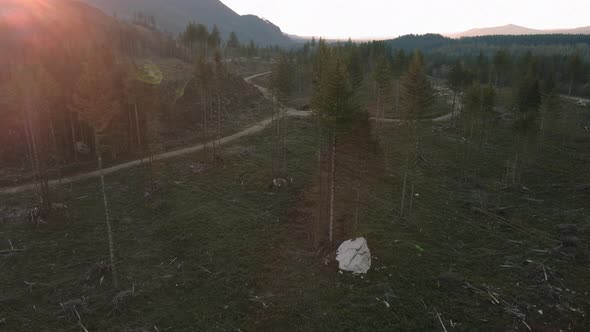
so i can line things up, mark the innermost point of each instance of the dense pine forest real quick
(157, 182)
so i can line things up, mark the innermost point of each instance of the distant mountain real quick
(512, 29)
(173, 16)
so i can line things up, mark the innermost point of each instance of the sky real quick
(390, 18)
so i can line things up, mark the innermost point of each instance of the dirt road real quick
(258, 127)
(167, 155)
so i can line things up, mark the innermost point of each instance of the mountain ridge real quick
(513, 29)
(173, 16)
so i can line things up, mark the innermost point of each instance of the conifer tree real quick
(190, 36)
(97, 101)
(528, 100)
(35, 92)
(282, 82)
(233, 45)
(321, 65)
(477, 118)
(416, 90)
(382, 76)
(355, 68)
(202, 37)
(574, 70)
(482, 68)
(335, 113)
(502, 67)
(457, 81)
(398, 67)
(416, 95)
(203, 76)
(214, 40)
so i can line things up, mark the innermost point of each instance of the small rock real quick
(82, 148)
(199, 167)
(58, 206)
(279, 183)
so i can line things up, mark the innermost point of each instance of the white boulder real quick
(354, 256)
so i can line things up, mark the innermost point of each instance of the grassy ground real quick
(222, 250)
(198, 244)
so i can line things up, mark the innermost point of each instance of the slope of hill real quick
(61, 32)
(173, 16)
(21, 24)
(512, 29)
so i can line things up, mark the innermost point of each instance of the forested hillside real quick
(512, 29)
(562, 61)
(174, 15)
(542, 44)
(132, 88)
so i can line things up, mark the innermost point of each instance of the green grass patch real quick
(222, 250)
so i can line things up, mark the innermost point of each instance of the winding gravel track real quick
(258, 127)
(162, 156)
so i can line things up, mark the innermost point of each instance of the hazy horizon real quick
(382, 18)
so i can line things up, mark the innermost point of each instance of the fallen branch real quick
(545, 273)
(10, 251)
(32, 284)
(80, 320)
(504, 221)
(204, 269)
(440, 320)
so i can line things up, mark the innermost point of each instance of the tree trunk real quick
(40, 167)
(272, 148)
(378, 115)
(210, 105)
(285, 141)
(219, 123)
(106, 213)
(332, 187)
(411, 207)
(318, 229)
(204, 109)
(397, 97)
(137, 125)
(403, 205)
(73, 132)
(356, 210)
(58, 158)
(30, 148)
(515, 168)
(453, 111)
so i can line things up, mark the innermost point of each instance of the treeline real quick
(438, 43)
(49, 129)
(565, 72)
(201, 42)
(343, 75)
(339, 75)
(81, 101)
